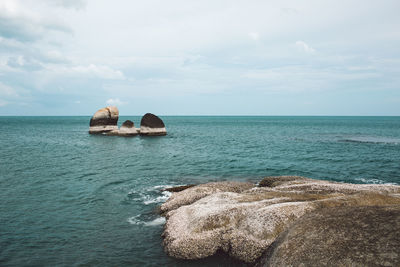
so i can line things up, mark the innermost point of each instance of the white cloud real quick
(3, 103)
(305, 47)
(115, 102)
(7, 91)
(100, 71)
(19, 22)
(77, 4)
(181, 48)
(254, 35)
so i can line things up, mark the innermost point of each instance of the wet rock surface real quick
(245, 221)
(151, 125)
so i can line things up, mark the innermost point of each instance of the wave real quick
(164, 197)
(151, 195)
(135, 220)
(373, 181)
(371, 140)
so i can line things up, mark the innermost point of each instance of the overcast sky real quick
(72, 57)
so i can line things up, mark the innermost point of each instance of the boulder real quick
(340, 236)
(128, 129)
(244, 220)
(151, 125)
(104, 120)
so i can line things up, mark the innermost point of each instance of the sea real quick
(68, 198)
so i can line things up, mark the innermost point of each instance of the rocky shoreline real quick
(286, 220)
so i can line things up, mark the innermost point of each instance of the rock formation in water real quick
(128, 129)
(151, 125)
(104, 120)
(247, 221)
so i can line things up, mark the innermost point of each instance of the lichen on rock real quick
(244, 220)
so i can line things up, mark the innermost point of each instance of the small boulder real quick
(104, 120)
(151, 125)
(128, 129)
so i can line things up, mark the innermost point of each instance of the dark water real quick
(68, 198)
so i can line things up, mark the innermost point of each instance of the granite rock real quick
(244, 220)
(128, 129)
(151, 125)
(104, 120)
(340, 236)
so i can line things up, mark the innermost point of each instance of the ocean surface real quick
(68, 198)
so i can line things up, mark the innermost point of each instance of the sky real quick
(209, 57)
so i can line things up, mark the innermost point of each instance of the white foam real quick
(155, 222)
(373, 181)
(136, 221)
(372, 139)
(165, 196)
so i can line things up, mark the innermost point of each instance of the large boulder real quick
(244, 220)
(151, 125)
(104, 120)
(128, 129)
(340, 236)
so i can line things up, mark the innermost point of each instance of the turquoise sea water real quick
(70, 198)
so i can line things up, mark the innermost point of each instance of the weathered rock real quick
(151, 125)
(178, 188)
(272, 181)
(192, 194)
(104, 120)
(340, 236)
(128, 129)
(244, 220)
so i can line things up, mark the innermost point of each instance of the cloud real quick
(7, 91)
(289, 10)
(305, 47)
(21, 62)
(99, 71)
(147, 50)
(75, 4)
(19, 23)
(115, 102)
(3, 103)
(254, 35)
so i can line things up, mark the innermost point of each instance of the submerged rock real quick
(104, 120)
(244, 220)
(340, 236)
(152, 125)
